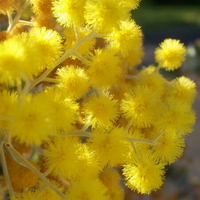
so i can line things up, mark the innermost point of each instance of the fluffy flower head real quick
(170, 54)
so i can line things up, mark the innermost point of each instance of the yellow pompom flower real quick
(8, 103)
(88, 165)
(141, 106)
(132, 4)
(62, 110)
(111, 147)
(69, 12)
(100, 110)
(176, 117)
(103, 64)
(170, 149)
(61, 156)
(87, 188)
(18, 57)
(111, 179)
(184, 90)
(144, 176)
(30, 194)
(170, 55)
(126, 39)
(104, 15)
(73, 81)
(31, 124)
(48, 44)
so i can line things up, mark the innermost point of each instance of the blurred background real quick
(176, 19)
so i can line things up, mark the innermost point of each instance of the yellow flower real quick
(8, 103)
(61, 157)
(111, 147)
(170, 54)
(104, 15)
(87, 188)
(48, 44)
(132, 4)
(170, 149)
(111, 179)
(176, 117)
(31, 124)
(103, 64)
(69, 12)
(144, 176)
(153, 80)
(141, 106)
(61, 109)
(184, 90)
(100, 110)
(74, 81)
(127, 40)
(16, 55)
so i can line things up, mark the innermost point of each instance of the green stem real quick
(159, 137)
(80, 57)
(51, 80)
(136, 151)
(80, 133)
(152, 142)
(18, 15)
(132, 77)
(26, 23)
(128, 126)
(6, 174)
(22, 161)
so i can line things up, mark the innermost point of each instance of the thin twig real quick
(22, 161)
(6, 174)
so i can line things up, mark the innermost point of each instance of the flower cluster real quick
(77, 116)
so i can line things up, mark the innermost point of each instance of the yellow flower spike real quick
(170, 55)
(104, 15)
(100, 110)
(74, 81)
(144, 176)
(104, 63)
(69, 12)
